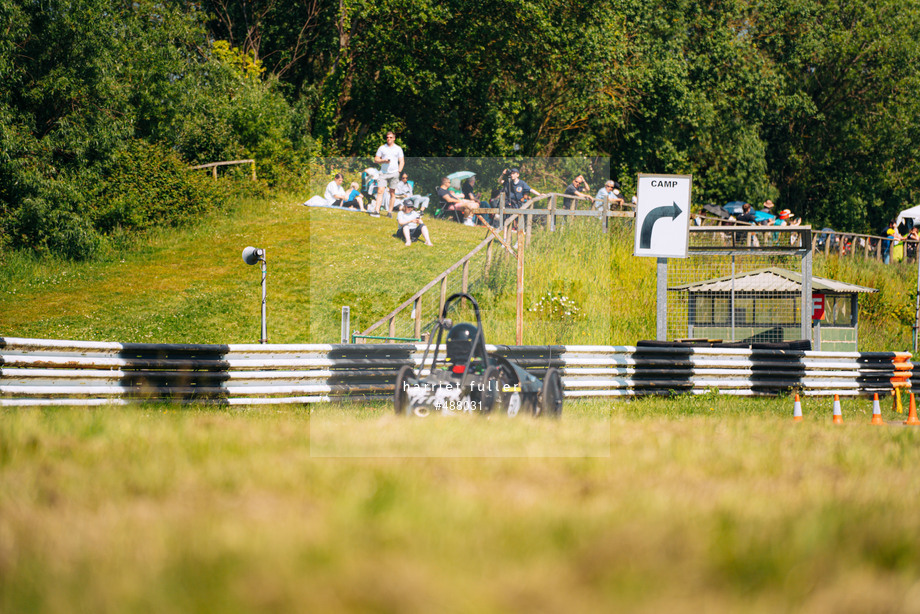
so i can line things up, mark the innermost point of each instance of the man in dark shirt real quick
(518, 190)
(747, 213)
(468, 188)
(578, 187)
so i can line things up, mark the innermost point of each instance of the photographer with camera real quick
(516, 189)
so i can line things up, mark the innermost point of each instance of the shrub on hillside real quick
(139, 186)
(146, 185)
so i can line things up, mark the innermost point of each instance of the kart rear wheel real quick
(491, 396)
(549, 403)
(401, 395)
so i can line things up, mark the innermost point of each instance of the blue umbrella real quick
(458, 177)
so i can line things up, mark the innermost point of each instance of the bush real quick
(138, 187)
(146, 185)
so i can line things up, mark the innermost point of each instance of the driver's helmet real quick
(460, 343)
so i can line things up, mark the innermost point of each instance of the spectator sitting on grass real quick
(336, 196)
(411, 226)
(355, 195)
(403, 190)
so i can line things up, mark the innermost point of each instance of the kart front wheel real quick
(401, 394)
(549, 403)
(491, 395)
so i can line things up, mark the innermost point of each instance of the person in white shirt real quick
(411, 227)
(335, 195)
(403, 190)
(608, 196)
(391, 160)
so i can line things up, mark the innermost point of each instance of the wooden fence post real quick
(443, 296)
(418, 317)
(552, 213)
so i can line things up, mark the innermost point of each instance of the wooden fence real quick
(466, 266)
(214, 165)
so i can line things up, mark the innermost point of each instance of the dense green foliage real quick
(808, 102)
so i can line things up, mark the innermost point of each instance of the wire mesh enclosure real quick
(740, 284)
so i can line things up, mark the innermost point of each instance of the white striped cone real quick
(838, 415)
(797, 410)
(876, 410)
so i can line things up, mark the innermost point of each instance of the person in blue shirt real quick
(517, 190)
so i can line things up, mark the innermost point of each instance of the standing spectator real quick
(518, 190)
(452, 203)
(578, 187)
(336, 196)
(608, 196)
(391, 160)
(747, 214)
(892, 233)
(411, 227)
(911, 246)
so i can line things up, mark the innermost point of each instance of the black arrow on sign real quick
(645, 236)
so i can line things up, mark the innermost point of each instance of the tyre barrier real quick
(54, 372)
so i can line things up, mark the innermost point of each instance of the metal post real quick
(732, 302)
(519, 337)
(346, 323)
(917, 307)
(501, 209)
(661, 328)
(807, 305)
(264, 338)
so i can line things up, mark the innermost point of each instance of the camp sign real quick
(663, 215)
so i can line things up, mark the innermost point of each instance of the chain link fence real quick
(740, 285)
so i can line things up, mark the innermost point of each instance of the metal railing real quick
(51, 372)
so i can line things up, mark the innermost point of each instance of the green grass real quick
(681, 504)
(191, 286)
(690, 504)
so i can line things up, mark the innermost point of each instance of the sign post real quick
(662, 230)
(663, 216)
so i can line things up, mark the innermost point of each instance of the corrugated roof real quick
(773, 279)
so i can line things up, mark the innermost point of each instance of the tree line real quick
(104, 103)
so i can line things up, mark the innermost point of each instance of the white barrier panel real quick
(35, 372)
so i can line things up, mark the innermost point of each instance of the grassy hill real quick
(190, 285)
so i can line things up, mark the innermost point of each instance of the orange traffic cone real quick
(912, 412)
(838, 415)
(797, 410)
(876, 411)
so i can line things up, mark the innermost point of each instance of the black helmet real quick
(460, 342)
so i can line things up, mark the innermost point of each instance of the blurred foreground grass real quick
(688, 504)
